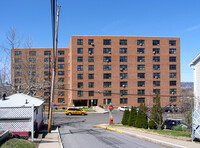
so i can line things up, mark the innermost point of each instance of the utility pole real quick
(53, 70)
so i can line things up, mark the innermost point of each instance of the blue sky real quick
(176, 18)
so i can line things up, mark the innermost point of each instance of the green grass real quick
(172, 133)
(18, 143)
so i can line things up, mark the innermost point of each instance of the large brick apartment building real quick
(124, 70)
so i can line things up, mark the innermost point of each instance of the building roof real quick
(195, 61)
(19, 99)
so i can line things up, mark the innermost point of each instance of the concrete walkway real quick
(51, 140)
(153, 137)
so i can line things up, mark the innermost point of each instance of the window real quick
(107, 58)
(156, 83)
(156, 59)
(91, 93)
(172, 91)
(90, 42)
(90, 67)
(172, 42)
(141, 83)
(156, 42)
(123, 58)
(91, 84)
(80, 85)
(141, 67)
(46, 73)
(123, 84)
(123, 75)
(172, 51)
(156, 75)
(123, 42)
(61, 52)
(156, 67)
(61, 79)
(123, 92)
(47, 59)
(18, 80)
(32, 53)
(90, 50)
(47, 66)
(140, 42)
(156, 91)
(106, 67)
(140, 50)
(172, 98)
(32, 60)
(79, 76)
(107, 84)
(61, 66)
(18, 66)
(141, 75)
(62, 86)
(79, 59)
(90, 59)
(107, 92)
(156, 50)
(17, 74)
(80, 67)
(79, 50)
(172, 83)
(32, 66)
(172, 67)
(107, 101)
(61, 59)
(123, 50)
(18, 60)
(61, 93)
(47, 52)
(141, 92)
(123, 100)
(141, 59)
(141, 100)
(107, 50)
(18, 53)
(107, 42)
(61, 100)
(79, 42)
(61, 73)
(79, 93)
(172, 74)
(107, 75)
(123, 67)
(90, 76)
(172, 59)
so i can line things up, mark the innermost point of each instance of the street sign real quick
(110, 107)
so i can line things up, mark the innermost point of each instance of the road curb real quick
(142, 137)
(108, 128)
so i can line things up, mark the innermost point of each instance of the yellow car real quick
(75, 111)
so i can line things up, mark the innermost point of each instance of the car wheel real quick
(70, 114)
(82, 114)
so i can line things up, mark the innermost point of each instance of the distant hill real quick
(187, 85)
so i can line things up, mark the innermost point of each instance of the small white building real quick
(195, 64)
(16, 114)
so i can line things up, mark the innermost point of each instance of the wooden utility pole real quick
(53, 70)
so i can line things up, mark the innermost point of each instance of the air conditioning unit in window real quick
(109, 52)
(121, 69)
(173, 93)
(121, 94)
(79, 95)
(156, 77)
(154, 52)
(124, 85)
(92, 44)
(141, 44)
(89, 52)
(121, 77)
(107, 60)
(140, 60)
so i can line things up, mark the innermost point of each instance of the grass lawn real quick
(172, 133)
(18, 143)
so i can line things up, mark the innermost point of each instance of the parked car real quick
(169, 123)
(123, 108)
(75, 111)
(167, 109)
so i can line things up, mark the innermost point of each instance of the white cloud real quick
(192, 28)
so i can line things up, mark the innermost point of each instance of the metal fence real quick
(196, 124)
(17, 119)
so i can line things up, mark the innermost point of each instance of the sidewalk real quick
(51, 140)
(153, 137)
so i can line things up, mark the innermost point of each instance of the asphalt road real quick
(79, 132)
